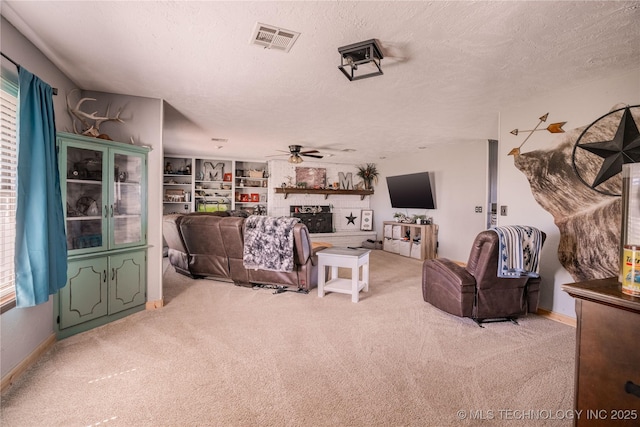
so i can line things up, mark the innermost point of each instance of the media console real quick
(418, 241)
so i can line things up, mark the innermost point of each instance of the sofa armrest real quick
(448, 286)
(444, 269)
(171, 232)
(533, 294)
(301, 244)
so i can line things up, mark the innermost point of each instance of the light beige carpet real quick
(222, 355)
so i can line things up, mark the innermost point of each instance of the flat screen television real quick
(411, 191)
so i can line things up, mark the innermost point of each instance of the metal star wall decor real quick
(552, 128)
(351, 219)
(623, 148)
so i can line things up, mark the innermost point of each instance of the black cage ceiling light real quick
(361, 60)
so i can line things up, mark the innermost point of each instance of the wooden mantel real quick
(290, 190)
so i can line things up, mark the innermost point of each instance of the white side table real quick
(355, 259)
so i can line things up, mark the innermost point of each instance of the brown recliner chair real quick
(475, 290)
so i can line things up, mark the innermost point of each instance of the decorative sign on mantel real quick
(346, 181)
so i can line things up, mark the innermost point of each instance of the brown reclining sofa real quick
(211, 245)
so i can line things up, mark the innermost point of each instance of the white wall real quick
(459, 177)
(578, 106)
(143, 121)
(24, 329)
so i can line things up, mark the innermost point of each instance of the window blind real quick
(8, 191)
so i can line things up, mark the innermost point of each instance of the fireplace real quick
(318, 219)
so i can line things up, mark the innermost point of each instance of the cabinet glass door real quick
(86, 197)
(126, 213)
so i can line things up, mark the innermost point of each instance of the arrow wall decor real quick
(552, 128)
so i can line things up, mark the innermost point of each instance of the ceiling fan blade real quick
(294, 151)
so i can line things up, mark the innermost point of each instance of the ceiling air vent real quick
(270, 37)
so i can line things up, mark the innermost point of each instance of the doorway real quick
(492, 196)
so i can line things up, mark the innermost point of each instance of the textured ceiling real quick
(450, 66)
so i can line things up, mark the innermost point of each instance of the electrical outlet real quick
(186, 207)
(503, 210)
(478, 209)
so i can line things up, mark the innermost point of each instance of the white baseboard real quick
(8, 380)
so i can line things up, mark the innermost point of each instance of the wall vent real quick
(270, 37)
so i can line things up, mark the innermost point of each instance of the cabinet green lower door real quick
(85, 296)
(128, 281)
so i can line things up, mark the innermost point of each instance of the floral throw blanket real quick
(268, 243)
(519, 250)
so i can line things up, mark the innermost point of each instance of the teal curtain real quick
(41, 243)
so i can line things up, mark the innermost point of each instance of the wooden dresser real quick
(607, 379)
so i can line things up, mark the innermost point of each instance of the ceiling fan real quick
(295, 153)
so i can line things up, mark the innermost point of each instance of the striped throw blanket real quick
(519, 250)
(268, 243)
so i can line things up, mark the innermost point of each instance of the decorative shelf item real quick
(327, 192)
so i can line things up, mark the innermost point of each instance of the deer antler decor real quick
(88, 128)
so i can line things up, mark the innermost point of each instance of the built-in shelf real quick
(286, 191)
(212, 183)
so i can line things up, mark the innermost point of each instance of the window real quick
(8, 194)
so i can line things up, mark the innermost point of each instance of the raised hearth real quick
(344, 238)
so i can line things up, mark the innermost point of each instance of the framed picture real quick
(255, 197)
(244, 197)
(311, 177)
(227, 177)
(366, 223)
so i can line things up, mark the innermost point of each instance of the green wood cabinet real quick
(104, 188)
(127, 280)
(84, 297)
